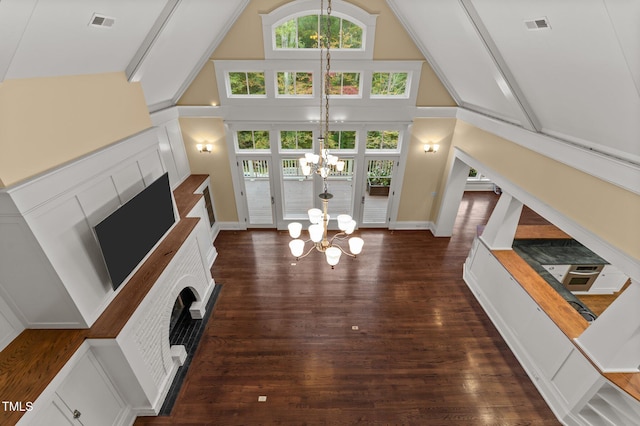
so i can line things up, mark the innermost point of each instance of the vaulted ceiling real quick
(577, 78)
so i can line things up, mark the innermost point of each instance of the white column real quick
(453, 192)
(613, 340)
(502, 225)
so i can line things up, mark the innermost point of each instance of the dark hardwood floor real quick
(424, 353)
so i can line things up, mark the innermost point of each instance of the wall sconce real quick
(431, 147)
(204, 148)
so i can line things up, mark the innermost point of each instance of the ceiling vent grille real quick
(101, 21)
(538, 24)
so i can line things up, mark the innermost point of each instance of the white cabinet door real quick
(55, 414)
(89, 390)
(558, 271)
(610, 281)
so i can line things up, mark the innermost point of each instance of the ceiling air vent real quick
(538, 24)
(101, 21)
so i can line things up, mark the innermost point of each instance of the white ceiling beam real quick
(14, 19)
(503, 76)
(212, 47)
(135, 65)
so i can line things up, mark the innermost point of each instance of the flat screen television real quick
(127, 235)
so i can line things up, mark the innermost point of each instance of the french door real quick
(257, 184)
(298, 191)
(377, 191)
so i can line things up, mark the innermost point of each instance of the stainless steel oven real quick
(581, 277)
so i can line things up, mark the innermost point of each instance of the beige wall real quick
(244, 41)
(203, 91)
(424, 171)
(46, 122)
(431, 91)
(606, 210)
(215, 164)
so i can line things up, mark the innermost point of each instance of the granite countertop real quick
(538, 252)
(559, 252)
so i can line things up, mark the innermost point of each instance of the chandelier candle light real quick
(324, 164)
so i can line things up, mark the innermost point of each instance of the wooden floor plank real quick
(424, 353)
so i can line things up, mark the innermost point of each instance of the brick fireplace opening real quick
(186, 331)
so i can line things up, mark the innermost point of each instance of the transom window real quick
(343, 139)
(385, 84)
(383, 140)
(253, 139)
(295, 83)
(302, 33)
(296, 139)
(345, 83)
(246, 83)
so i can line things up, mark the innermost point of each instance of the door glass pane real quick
(376, 199)
(340, 184)
(297, 191)
(258, 189)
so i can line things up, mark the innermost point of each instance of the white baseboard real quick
(410, 225)
(232, 226)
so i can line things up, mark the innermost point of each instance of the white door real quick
(340, 184)
(299, 193)
(257, 192)
(377, 191)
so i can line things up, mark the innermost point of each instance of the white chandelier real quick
(324, 164)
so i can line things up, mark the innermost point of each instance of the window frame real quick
(342, 95)
(295, 96)
(299, 150)
(254, 149)
(347, 151)
(384, 151)
(230, 94)
(407, 85)
(316, 14)
(340, 9)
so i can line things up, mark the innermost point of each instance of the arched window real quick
(302, 33)
(291, 31)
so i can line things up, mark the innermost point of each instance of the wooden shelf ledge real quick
(184, 194)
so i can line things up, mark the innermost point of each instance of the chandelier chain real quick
(322, 79)
(327, 88)
(324, 164)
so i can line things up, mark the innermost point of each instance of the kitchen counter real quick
(538, 252)
(558, 252)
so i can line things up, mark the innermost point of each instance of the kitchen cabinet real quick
(610, 280)
(557, 271)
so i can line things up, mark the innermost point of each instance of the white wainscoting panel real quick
(51, 268)
(30, 285)
(128, 182)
